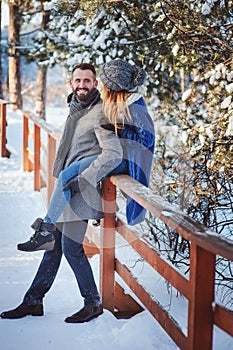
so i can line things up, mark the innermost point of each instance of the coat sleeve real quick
(110, 157)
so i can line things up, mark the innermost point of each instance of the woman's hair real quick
(115, 106)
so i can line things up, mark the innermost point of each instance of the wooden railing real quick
(32, 158)
(3, 125)
(203, 311)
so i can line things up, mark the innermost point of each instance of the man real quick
(84, 137)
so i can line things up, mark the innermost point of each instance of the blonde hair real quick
(115, 106)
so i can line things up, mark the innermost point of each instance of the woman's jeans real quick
(76, 257)
(60, 198)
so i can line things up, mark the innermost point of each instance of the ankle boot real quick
(23, 310)
(86, 314)
(43, 238)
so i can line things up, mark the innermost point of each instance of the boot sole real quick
(75, 320)
(15, 317)
(45, 246)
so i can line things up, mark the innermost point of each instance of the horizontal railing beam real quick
(172, 216)
(159, 313)
(150, 254)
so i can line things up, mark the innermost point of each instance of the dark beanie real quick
(119, 75)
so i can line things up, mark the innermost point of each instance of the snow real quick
(229, 131)
(19, 206)
(186, 94)
(226, 102)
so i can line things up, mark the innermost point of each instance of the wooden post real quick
(27, 164)
(201, 316)
(36, 158)
(3, 124)
(50, 161)
(107, 249)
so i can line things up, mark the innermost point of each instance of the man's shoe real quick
(23, 310)
(43, 238)
(85, 314)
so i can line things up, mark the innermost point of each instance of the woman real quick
(126, 110)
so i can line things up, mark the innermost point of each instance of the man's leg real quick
(33, 300)
(46, 273)
(72, 241)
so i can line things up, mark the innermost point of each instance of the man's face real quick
(83, 81)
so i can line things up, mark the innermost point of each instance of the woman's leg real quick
(43, 237)
(60, 198)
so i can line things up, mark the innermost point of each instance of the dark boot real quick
(23, 310)
(43, 238)
(86, 314)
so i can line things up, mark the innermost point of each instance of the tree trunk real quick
(14, 57)
(41, 92)
(42, 72)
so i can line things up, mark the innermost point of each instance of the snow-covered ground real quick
(19, 206)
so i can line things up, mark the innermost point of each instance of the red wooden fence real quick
(203, 311)
(3, 124)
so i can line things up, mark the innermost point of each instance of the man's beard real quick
(82, 97)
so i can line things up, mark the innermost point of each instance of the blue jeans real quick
(60, 198)
(76, 257)
(69, 242)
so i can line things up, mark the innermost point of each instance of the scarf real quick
(77, 110)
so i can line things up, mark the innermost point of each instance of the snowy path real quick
(19, 206)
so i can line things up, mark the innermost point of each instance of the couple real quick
(101, 138)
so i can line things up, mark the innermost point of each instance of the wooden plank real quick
(107, 249)
(93, 234)
(27, 164)
(126, 306)
(3, 124)
(90, 248)
(161, 315)
(173, 216)
(42, 124)
(223, 318)
(152, 257)
(200, 316)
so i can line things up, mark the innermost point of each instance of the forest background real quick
(186, 47)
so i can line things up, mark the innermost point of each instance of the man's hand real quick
(77, 184)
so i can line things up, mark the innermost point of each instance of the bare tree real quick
(14, 56)
(42, 70)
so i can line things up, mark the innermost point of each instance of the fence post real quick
(201, 316)
(27, 164)
(36, 158)
(107, 248)
(3, 124)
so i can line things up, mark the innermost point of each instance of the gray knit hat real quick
(119, 75)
